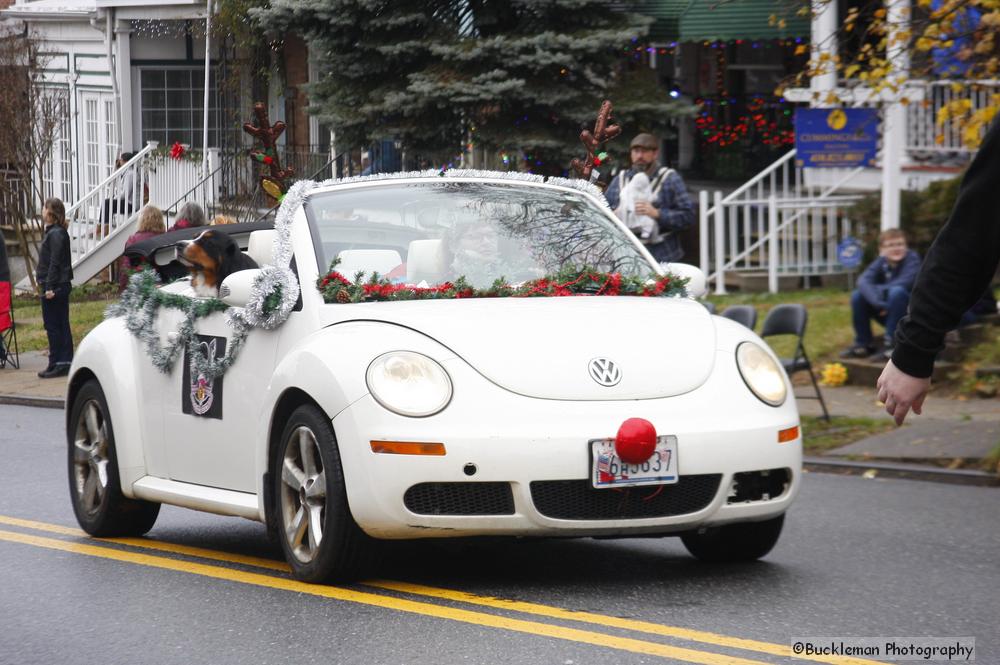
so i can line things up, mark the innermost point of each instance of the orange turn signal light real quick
(790, 434)
(407, 448)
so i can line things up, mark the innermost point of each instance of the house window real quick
(111, 148)
(91, 145)
(172, 107)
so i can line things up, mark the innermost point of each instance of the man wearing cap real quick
(669, 203)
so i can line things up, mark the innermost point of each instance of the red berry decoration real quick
(636, 441)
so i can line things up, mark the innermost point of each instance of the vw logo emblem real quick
(605, 372)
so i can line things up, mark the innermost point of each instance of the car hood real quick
(545, 347)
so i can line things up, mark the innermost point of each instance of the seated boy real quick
(883, 294)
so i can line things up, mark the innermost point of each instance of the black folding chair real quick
(744, 314)
(8, 329)
(791, 319)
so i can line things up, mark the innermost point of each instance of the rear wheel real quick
(318, 535)
(94, 484)
(746, 541)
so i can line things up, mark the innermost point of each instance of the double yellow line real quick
(89, 547)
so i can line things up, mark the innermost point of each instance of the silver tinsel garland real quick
(275, 289)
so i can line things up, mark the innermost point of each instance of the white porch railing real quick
(100, 221)
(170, 179)
(923, 135)
(774, 224)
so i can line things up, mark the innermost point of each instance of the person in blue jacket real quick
(883, 294)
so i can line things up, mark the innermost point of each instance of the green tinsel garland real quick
(568, 281)
(140, 304)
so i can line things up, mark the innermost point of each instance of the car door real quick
(210, 425)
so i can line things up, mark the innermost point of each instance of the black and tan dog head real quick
(211, 257)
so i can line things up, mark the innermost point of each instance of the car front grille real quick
(579, 500)
(460, 499)
(762, 485)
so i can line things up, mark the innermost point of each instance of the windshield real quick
(435, 232)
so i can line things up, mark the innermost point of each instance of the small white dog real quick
(643, 226)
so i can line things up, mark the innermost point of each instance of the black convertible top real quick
(147, 248)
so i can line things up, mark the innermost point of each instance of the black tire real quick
(746, 541)
(94, 484)
(309, 490)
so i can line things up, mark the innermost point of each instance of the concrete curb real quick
(903, 470)
(27, 400)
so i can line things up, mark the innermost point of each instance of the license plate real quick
(608, 470)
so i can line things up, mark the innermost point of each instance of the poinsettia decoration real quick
(569, 281)
(177, 150)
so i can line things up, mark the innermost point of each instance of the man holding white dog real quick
(652, 200)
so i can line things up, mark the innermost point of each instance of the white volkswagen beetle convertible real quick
(511, 362)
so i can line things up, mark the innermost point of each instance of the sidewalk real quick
(950, 433)
(22, 386)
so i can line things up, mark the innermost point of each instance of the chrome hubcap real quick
(303, 494)
(90, 458)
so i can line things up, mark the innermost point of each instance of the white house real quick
(134, 72)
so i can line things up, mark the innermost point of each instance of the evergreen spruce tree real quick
(522, 76)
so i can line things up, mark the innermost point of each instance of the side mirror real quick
(697, 285)
(235, 289)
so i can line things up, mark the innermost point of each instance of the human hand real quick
(647, 209)
(900, 392)
(49, 295)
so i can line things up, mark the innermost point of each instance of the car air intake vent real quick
(460, 499)
(761, 485)
(578, 500)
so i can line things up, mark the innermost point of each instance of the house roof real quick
(51, 9)
(724, 20)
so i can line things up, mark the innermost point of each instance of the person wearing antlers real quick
(652, 200)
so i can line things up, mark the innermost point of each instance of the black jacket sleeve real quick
(959, 266)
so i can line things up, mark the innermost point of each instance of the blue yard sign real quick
(836, 138)
(850, 252)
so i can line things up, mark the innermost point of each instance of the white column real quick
(123, 67)
(824, 41)
(894, 112)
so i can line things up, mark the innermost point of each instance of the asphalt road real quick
(858, 558)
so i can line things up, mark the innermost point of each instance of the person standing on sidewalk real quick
(959, 266)
(670, 206)
(54, 275)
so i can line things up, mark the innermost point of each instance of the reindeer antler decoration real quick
(602, 134)
(267, 134)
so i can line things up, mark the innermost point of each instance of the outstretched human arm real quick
(959, 266)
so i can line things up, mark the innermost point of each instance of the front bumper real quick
(508, 440)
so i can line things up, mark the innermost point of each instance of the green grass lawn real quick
(828, 330)
(83, 316)
(819, 436)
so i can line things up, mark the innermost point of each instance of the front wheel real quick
(745, 541)
(318, 535)
(94, 485)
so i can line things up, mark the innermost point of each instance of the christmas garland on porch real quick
(568, 281)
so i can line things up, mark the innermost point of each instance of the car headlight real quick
(761, 374)
(409, 383)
